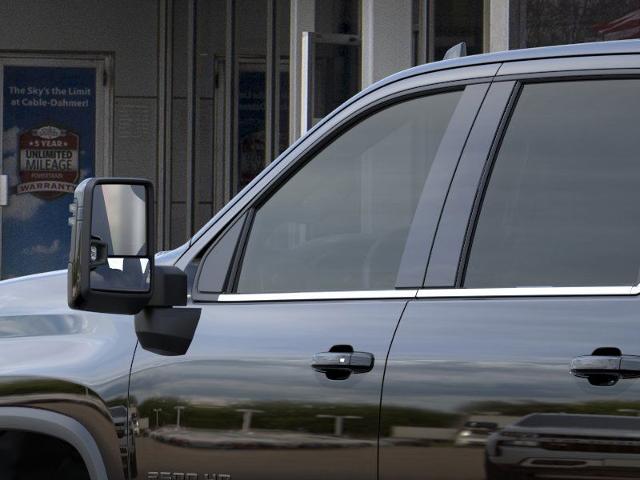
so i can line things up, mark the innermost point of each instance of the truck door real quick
(299, 304)
(517, 359)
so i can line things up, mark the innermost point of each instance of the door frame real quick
(429, 205)
(104, 65)
(446, 265)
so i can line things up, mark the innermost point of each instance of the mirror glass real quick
(119, 219)
(119, 225)
(126, 274)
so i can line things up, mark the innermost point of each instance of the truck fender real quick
(59, 426)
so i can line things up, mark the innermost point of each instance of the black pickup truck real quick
(456, 247)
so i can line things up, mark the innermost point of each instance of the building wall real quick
(131, 32)
(127, 30)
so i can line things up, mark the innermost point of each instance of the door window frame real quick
(445, 271)
(305, 149)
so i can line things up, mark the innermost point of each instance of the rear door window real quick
(562, 205)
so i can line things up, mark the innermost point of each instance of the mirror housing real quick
(111, 259)
(111, 264)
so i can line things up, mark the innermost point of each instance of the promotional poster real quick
(48, 148)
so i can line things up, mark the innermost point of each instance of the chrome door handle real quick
(341, 361)
(606, 366)
(355, 362)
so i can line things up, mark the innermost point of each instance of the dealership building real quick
(200, 95)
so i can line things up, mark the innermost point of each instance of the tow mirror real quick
(112, 237)
(111, 266)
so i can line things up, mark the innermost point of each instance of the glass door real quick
(330, 74)
(53, 136)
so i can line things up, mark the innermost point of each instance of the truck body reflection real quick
(557, 445)
(246, 427)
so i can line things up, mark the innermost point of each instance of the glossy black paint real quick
(455, 365)
(66, 361)
(496, 361)
(255, 359)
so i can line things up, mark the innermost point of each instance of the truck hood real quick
(40, 336)
(37, 304)
(44, 292)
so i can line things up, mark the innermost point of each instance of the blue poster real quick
(49, 145)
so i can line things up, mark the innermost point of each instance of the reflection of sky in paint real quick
(57, 342)
(262, 352)
(35, 235)
(446, 355)
(450, 353)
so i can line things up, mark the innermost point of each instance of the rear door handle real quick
(606, 366)
(348, 362)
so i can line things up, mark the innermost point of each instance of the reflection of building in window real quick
(452, 22)
(536, 23)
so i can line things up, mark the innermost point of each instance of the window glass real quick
(561, 207)
(341, 222)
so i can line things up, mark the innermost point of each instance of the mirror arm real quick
(170, 287)
(160, 328)
(165, 330)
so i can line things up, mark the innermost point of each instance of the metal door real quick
(245, 400)
(479, 381)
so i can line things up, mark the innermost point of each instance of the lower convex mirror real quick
(111, 256)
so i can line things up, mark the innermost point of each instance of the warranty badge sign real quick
(49, 165)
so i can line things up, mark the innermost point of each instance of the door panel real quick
(478, 382)
(250, 404)
(470, 379)
(314, 272)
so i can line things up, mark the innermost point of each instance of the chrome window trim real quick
(527, 292)
(299, 296)
(433, 293)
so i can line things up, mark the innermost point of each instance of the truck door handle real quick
(341, 361)
(356, 362)
(605, 366)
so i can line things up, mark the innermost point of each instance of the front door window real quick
(341, 222)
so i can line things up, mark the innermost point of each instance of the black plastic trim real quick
(202, 296)
(483, 183)
(59, 426)
(452, 228)
(238, 255)
(422, 231)
(80, 295)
